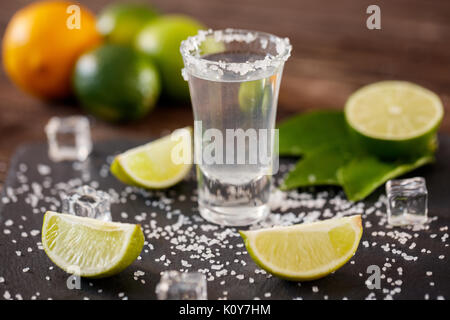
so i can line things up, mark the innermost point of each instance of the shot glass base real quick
(232, 216)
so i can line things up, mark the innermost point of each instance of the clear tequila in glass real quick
(234, 78)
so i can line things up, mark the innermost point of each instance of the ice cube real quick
(407, 201)
(176, 285)
(69, 138)
(85, 201)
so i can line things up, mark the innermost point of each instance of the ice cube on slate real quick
(407, 201)
(69, 138)
(85, 201)
(176, 285)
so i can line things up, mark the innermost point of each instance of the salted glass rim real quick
(191, 47)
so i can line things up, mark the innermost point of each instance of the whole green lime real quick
(116, 83)
(161, 40)
(120, 22)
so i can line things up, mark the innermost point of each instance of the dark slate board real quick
(42, 281)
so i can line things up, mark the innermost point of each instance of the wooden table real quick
(334, 53)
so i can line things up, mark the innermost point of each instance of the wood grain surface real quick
(334, 53)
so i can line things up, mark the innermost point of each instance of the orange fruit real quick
(42, 42)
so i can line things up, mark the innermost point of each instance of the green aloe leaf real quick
(329, 157)
(362, 175)
(307, 132)
(318, 168)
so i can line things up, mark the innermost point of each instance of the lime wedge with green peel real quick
(158, 164)
(305, 251)
(119, 173)
(395, 118)
(88, 247)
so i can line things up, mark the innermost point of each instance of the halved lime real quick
(158, 164)
(89, 247)
(395, 118)
(305, 251)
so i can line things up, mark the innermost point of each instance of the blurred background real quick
(333, 54)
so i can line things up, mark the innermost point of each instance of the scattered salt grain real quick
(7, 295)
(34, 232)
(43, 169)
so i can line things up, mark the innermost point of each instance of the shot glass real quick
(234, 78)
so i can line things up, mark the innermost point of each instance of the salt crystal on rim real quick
(191, 51)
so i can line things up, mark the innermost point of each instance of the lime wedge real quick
(395, 118)
(305, 251)
(88, 247)
(158, 164)
(119, 173)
